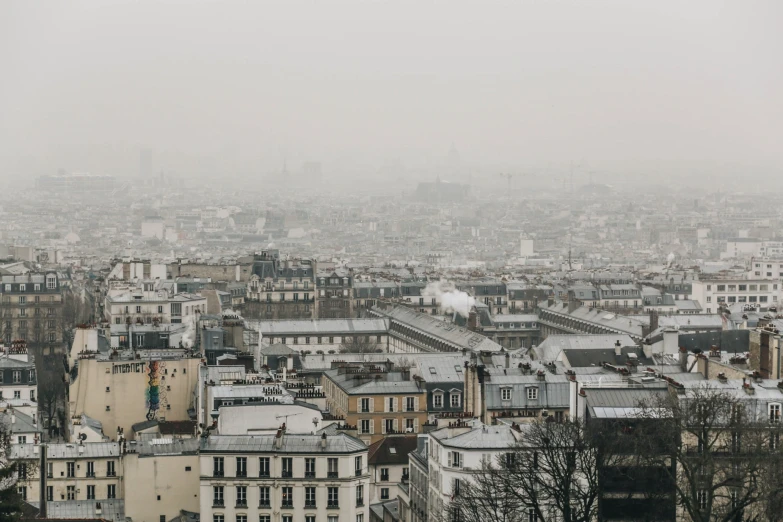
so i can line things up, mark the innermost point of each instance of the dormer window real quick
(505, 394)
(532, 393)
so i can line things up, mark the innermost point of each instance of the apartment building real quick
(378, 400)
(771, 268)
(388, 461)
(284, 478)
(335, 293)
(31, 309)
(90, 471)
(123, 388)
(149, 306)
(712, 293)
(455, 450)
(18, 382)
(368, 294)
(491, 292)
(162, 478)
(281, 289)
(326, 334)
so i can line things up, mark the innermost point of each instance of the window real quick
(359, 495)
(91, 469)
(388, 425)
(17, 394)
(217, 466)
(357, 466)
(364, 426)
(162, 518)
(332, 497)
(384, 493)
(455, 400)
(90, 492)
(774, 440)
(736, 442)
(532, 394)
(774, 412)
(70, 492)
(49, 470)
(310, 467)
(365, 403)
(241, 467)
(505, 394)
(241, 496)
(392, 402)
(309, 518)
(437, 400)
(288, 518)
(331, 467)
(51, 282)
(263, 496)
(288, 467)
(16, 377)
(410, 403)
(111, 491)
(455, 487)
(70, 469)
(721, 288)
(288, 497)
(50, 493)
(384, 474)
(702, 498)
(263, 466)
(217, 496)
(455, 459)
(218, 518)
(310, 497)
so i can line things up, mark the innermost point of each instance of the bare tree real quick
(552, 471)
(360, 344)
(726, 463)
(51, 395)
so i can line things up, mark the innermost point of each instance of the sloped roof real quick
(340, 443)
(392, 450)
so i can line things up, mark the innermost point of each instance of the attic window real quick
(458, 367)
(393, 450)
(432, 370)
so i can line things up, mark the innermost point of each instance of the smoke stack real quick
(683, 359)
(323, 440)
(618, 348)
(508, 360)
(473, 320)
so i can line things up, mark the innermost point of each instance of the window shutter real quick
(416, 404)
(396, 425)
(450, 459)
(415, 425)
(372, 404)
(383, 425)
(372, 425)
(395, 404)
(386, 404)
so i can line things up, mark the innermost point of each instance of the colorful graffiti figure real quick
(153, 389)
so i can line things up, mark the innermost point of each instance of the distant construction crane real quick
(508, 177)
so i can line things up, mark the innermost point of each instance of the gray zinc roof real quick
(320, 327)
(341, 443)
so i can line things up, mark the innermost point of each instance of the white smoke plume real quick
(449, 298)
(189, 337)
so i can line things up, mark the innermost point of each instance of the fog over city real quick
(391, 261)
(378, 90)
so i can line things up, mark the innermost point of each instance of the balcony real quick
(309, 474)
(310, 504)
(214, 474)
(241, 504)
(359, 502)
(218, 503)
(287, 504)
(333, 504)
(287, 474)
(332, 474)
(264, 504)
(358, 473)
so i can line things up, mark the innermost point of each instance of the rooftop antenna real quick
(286, 417)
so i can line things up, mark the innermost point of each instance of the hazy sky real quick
(238, 86)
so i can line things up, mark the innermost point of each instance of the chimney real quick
(541, 375)
(683, 359)
(279, 438)
(508, 360)
(647, 348)
(473, 320)
(618, 348)
(323, 441)
(13, 416)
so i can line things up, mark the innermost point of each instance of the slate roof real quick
(320, 326)
(553, 392)
(581, 358)
(392, 450)
(550, 348)
(165, 446)
(341, 443)
(454, 335)
(68, 451)
(480, 437)
(389, 383)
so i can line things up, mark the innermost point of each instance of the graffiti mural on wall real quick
(155, 371)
